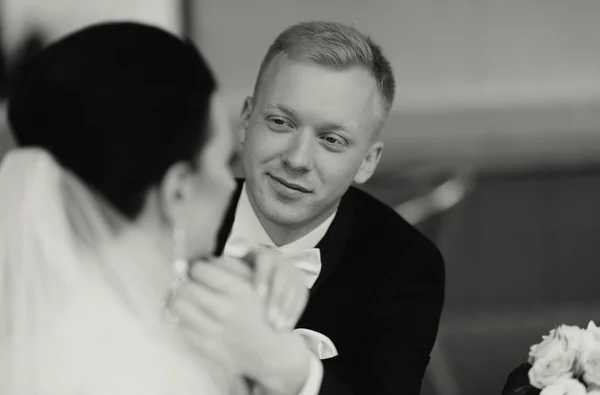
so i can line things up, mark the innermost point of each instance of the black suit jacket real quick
(517, 382)
(378, 298)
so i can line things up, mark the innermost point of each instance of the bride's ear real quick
(176, 191)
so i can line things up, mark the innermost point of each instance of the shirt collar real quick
(247, 226)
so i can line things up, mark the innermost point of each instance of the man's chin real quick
(281, 213)
(277, 209)
(289, 221)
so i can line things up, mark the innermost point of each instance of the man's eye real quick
(333, 140)
(278, 122)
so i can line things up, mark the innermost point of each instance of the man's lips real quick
(290, 185)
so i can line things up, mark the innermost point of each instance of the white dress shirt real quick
(246, 226)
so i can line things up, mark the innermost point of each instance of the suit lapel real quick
(228, 220)
(331, 245)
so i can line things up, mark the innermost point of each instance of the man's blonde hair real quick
(337, 46)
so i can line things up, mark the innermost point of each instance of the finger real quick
(201, 299)
(291, 307)
(264, 264)
(219, 279)
(285, 310)
(299, 304)
(194, 319)
(279, 287)
(293, 304)
(237, 266)
(209, 348)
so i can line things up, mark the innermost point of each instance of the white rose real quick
(574, 335)
(593, 330)
(588, 344)
(552, 360)
(571, 335)
(565, 387)
(590, 365)
(588, 360)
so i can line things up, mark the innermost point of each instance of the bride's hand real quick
(237, 266)
(280, 285)
(222, 317)
(278, 282)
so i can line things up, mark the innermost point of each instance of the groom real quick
(310, 130)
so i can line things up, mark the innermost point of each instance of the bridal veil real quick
(80, 295)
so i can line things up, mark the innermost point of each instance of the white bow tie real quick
(308, 261)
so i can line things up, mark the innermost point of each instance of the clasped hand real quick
(243, 314)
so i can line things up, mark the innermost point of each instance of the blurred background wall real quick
(54, 18)
(492, 147)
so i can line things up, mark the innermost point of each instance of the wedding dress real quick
(81, 295)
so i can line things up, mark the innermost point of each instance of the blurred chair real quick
(434, 212)
(429, 198)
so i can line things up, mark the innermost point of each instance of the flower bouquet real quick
(566, 362)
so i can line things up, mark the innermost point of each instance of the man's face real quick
(307, 135)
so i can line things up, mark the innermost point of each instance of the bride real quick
(122, 172)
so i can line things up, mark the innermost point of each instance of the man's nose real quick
(299, 155)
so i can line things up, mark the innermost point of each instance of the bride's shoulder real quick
(517, 382)
(108, 349)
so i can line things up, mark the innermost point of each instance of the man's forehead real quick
(284, 69)
(337, 100)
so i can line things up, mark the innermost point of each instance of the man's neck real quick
(283, 234)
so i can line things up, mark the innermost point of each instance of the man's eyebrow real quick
(283, 108)
(329, 126)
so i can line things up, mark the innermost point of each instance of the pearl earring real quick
(180, 267)
(180, 263)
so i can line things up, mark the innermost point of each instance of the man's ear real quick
(247, 109)
(369, 163)
(176, 191)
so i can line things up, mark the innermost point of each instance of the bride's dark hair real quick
(117, 104)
